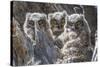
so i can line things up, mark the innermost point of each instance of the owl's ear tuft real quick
(50, 15)
(79, 10)
(45, 16)
(82, 16)
(65, 13)
(28, 15)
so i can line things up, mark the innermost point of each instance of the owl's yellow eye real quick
(41, 22)
(62, 21)
(70, 23)
(53, 23)
(79, 25)
(31, 23)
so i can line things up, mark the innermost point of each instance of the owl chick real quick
(77, 39)
(30, 25)
(57, 22)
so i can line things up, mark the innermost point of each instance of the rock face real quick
(46, 50)
(20, 51)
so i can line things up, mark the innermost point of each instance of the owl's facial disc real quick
(57, 27)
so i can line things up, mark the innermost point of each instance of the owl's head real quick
(77, 23)
(41, 20)
(57, 22)
(34, 21)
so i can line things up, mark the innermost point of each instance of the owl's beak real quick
(73, 28)
(70, 29)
